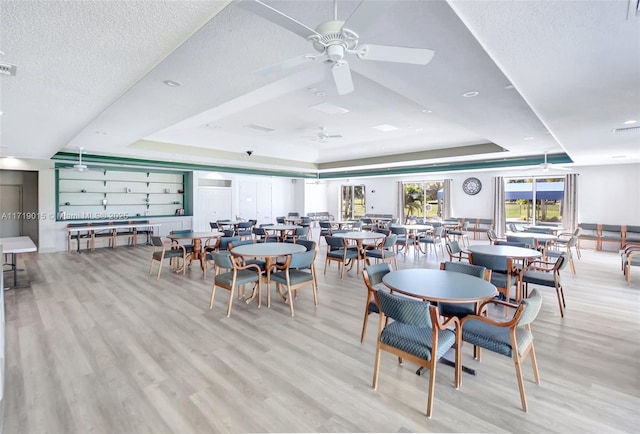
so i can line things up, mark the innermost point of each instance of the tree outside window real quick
(352, 204)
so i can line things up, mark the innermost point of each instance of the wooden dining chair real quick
(512, 338)
(461, 310)
(415, 334)
(238, 277)
(339, 251)
(503, 273)
(170, 251)
(545, 273)
(372, 276)
(298, 271)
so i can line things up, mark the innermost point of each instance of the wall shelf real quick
(127, 194)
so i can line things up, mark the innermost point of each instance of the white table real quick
(12, 246)
(91, 229)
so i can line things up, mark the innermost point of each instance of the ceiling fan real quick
(546, 166)
(79, 166)
(336, 38)
(323, 137)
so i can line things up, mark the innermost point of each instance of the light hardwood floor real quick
(96, 345)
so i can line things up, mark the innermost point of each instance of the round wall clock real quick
(472, 186)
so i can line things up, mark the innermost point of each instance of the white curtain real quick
(400, 203)
(446, 199)
(499, 216)
(570, 202)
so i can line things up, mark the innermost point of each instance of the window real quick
(534, 200)
(352, 205)
(423, 199)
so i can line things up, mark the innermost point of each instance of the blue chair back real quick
(390, 242)
(405, 310)
(492, 262)
(302, 260)
(222, 259)
(532, 307)
(233, 244)
(377, 271)
(308, 244)
(334, 243)
(512, 243)
(463, 267)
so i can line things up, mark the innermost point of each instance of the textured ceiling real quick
(91, 74)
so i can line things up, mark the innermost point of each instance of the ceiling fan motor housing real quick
(334, 40)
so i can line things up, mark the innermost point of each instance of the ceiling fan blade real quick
(366, 14)
(286, 64)
(417, 56)
(342, 77)
(277, 17)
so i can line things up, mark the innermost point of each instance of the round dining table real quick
(283, 229)
(439, 285)
(359, 237)
(196, 238)
(269, 252)
(508, 251)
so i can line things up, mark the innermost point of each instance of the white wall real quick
(606, 194)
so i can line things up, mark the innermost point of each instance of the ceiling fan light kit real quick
(334, 38)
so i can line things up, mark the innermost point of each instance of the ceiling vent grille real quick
(7, 69)
(627, 130)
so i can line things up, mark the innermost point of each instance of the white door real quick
(213, 204)
(263, 203)
(10, 211)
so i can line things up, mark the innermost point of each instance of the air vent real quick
(259, 128)
(7, 69)
(627, 130)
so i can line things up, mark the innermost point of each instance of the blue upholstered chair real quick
(503, 273)
(415, 334)
(171, 251)
(308, 244)
(280, 220)
(372, 276)
(298, 234)
(513, 244)
(434, 240)
(512, 338)
(296, 272)
(244, 230)
(403, 241)
(461, 310)
(454, 251)
(189, 247)
(383, 252)
(545, 273)
(567, 245)
(238, 277)
(244, 261)
(262, 236)
(338, 251)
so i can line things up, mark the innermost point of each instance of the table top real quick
(534, 235)
(17, 245)
(193, 235)
(357, 235)
(268, 249)
(508, 251)
(415, 227)
(101, 227)
(439, 285)
(280, 227)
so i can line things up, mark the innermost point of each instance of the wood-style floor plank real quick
(97, 345)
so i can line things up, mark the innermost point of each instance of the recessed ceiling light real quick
(629, 122)
(172, 83)
(528, 138)
(470, 94)
(328, 108)
(385, 128)
(320, 93)
(426, 111)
